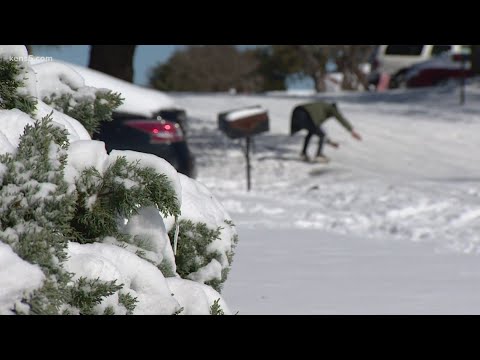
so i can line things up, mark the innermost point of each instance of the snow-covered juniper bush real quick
(11, 79)
(116, 198)
(37, 207)
(193, 252)
(41, 212)
(88, 106)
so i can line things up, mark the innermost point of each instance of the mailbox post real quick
(244, 123)
(462, 86)
(247, 159)
(463, 59)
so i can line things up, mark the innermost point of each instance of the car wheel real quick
(402, 84)
(398, 80)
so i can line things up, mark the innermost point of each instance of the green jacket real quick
(320, 111)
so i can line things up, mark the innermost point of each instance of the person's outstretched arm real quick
(346, 124)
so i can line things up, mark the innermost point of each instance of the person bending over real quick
(311, 117)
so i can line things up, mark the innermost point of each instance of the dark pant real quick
(301, 120)
(321, 138)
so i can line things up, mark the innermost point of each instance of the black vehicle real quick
(158, 136)
(176, 115)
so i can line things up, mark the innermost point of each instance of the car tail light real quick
(160, 131)
(460, 57)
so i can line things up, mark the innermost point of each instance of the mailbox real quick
(243, 122)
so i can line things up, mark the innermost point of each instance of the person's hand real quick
(356, 135)
(333, 143)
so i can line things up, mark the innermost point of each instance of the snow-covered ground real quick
(390, 226)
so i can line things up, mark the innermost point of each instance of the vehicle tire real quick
(398, 79)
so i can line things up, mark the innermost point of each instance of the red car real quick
(437, 71)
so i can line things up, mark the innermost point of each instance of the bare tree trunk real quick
(351, 56)
(319, 81)
(362, 78)
(348, 82)
(314, 60)
(114, 60)
(355, 67)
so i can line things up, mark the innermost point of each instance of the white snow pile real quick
(57, 78)
(17, 277)
(138, 100)
(110, 260)
(141, 279)
(244, 113)
(184, 290)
